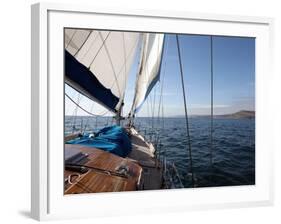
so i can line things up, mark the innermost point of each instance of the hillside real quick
(239, 114)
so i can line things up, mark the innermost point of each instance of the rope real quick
(75, 112)
(67, 109)
(96, 126)
(151, 118)
(212, 104)
(69, 178)
(87, 121)
(185, 110)
(97, 169)
(125, 62)
(95, 115)
(132, 114)
(119, 113)
(81, 126)
(154, 102)
(160, 106)
(162, 84)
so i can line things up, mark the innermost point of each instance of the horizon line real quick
(171, 116)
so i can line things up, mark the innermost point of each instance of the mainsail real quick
(149, 69)
(97, 63)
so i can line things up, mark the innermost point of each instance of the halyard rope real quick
(185, 110)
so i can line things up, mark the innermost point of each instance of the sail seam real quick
(99, 50)
(71, 38)
(112, 66)
(83, 45)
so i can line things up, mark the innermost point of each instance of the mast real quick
(118, 116)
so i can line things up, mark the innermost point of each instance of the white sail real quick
(149, 68)
(107, 54)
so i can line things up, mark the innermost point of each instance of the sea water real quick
(233, 151)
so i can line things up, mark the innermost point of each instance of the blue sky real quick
(234, 77)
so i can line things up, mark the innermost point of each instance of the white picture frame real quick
(48, 200)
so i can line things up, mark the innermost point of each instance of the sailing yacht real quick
(117, 157)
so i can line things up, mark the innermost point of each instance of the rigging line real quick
(87, 121)
(66, 109)
(119, 114)
(112, 66)
(148, 109)
(162, 84)
(146, 73)
(81, 127)
(125, 61)
(141, 55)
(155, 87)
(150, 105)
(185, 110)
(71, 39)
(142, 69)
(83, 45)
(154, 116)
(75, 112)
(146, 126)
(73, 117)
(118, 74)
(125, 65)
(162, 108)
(77, 105)
(107, 119)
(161, 95)
(161, 99)
(162, 111)
(87, 96)
(103, 42)
(147, 106)
(158, 115)
(212, 103)
(153, 106)
(96, 125)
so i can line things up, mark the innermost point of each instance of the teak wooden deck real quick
(96, 181)
(144, 171)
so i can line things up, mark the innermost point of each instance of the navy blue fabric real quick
(80, 74)
(113, 139)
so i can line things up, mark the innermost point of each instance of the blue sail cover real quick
(81, 75)
(113, 139)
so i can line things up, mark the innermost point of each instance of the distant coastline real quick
(237, 115)
(240, 114)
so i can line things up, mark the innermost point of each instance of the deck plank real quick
(94, 181)
(143, 152)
